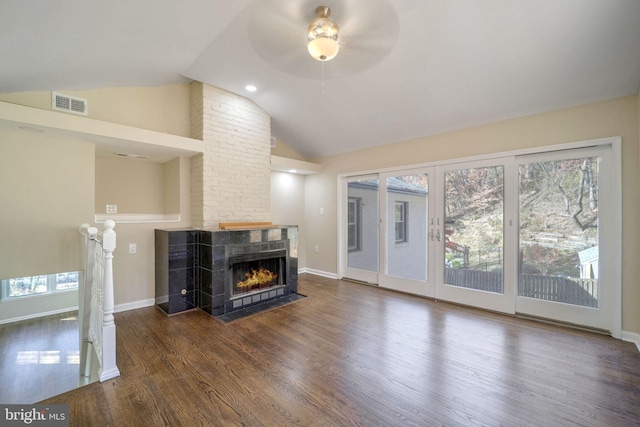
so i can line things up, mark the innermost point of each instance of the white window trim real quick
(51, 288)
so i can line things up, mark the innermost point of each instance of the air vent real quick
(273, 142)
(68, 104)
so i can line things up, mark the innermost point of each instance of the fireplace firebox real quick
(257, 272)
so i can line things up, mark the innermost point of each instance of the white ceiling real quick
(406, 68)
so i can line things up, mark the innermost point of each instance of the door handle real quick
(438, 235)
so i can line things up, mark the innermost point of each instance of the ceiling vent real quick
(68, 104)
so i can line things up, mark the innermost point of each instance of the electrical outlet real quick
(132, 248)
(112, 209)
(317, 248)
(321, 211)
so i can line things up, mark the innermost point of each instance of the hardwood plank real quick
(39, 358)
(352, 354)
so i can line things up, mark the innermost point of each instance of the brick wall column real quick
(230, 181)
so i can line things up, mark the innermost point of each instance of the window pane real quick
(66, 281)
(353, 224)
(24, 286)
(559, 231)
(407, 210)
(363, 237)
(400, 222)
(474, 211)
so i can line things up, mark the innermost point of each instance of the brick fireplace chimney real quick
(230, 181)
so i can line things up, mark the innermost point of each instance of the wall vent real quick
(68, 104)
(273, 142)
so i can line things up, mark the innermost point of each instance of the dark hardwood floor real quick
(351, 354)
(39, 358)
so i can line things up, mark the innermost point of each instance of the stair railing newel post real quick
(90, 235)
(109, 369)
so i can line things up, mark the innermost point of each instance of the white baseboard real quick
(36, 315)
(318, 273)
(134, 305)
(631, 337)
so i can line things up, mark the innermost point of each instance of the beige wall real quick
(618, 117)
(287, 205)
(283, 150)
(134, 185)
(46, 191)
(137, 186)
(134, 274)
(159, 108)
(52, 184)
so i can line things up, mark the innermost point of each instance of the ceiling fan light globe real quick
(323, 48)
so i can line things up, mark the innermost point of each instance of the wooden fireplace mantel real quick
(245, 225)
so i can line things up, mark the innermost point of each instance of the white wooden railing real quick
(97, 327)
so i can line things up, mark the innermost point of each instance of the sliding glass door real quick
(361, 233)
(532, 234)
(472, 235)
(563, 198)
(406, 204)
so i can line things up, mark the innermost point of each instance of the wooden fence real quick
(583, 292)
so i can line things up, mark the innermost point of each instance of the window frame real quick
(403, 222)
(356, 225)
(52, 285)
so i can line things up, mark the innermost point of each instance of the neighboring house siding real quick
(405, 259)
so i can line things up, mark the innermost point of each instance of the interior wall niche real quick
(137, 186)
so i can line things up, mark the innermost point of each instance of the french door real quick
(473, 228)
(407, 256)
(533, 234)
(565, 236)
(361, 241)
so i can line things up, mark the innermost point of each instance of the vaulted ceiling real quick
(406, 68)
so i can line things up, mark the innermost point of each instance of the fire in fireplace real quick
(256, 272)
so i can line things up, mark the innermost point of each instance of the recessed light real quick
(251, 88)
(135, 156)
(292, 171)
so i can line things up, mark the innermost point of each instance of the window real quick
(401, 222)
(40, 285)
(354, 224)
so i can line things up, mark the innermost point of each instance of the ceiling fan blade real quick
(277, 31)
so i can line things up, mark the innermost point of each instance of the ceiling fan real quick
(365, 33)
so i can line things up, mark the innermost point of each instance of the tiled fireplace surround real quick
(193, 268)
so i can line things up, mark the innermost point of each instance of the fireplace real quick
(257, 272)
(222, 271)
